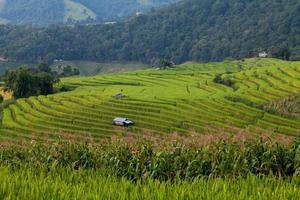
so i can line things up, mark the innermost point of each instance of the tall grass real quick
(151, 169)
(288, 107)
(88, 184)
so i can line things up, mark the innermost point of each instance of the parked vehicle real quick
(119, 121)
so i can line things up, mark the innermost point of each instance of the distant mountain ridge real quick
(48, 12)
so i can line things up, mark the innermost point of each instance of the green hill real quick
(33, 12)
(77, 12)
(44, 13)
(184, 100)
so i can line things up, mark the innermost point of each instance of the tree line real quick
(195, 30)
(26, 82)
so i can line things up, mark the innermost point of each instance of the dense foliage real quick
(65, 71)
(25, 82)
(162, 160)
(191, 30)
(224, 80)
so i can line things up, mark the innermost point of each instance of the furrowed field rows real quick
(185, 113)
(281, 89)
(184, 100)
(108, 113)
(166, 117)
(41, 118)
(227, 113)
(75, 114)
(264, 125)
(271, 82)
(210, 115)
(282, 122)
(145, 80)
(102, 112)
(247, 111)
(45, 127)
(18, 124)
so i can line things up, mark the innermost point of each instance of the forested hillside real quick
(33, 12)
(43, 12)
(191, 30)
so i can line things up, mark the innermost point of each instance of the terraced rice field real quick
(184, 100)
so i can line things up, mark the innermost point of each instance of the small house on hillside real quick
(263, 54)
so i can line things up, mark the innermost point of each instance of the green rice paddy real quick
(183, 100)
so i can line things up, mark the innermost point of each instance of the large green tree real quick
(25, 82)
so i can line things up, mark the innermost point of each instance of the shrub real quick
(238, 99)
(286, 107)
(295, 58)
(224, 80)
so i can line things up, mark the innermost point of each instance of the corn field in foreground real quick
(87, 184)
(227, 169)
(164, 160)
